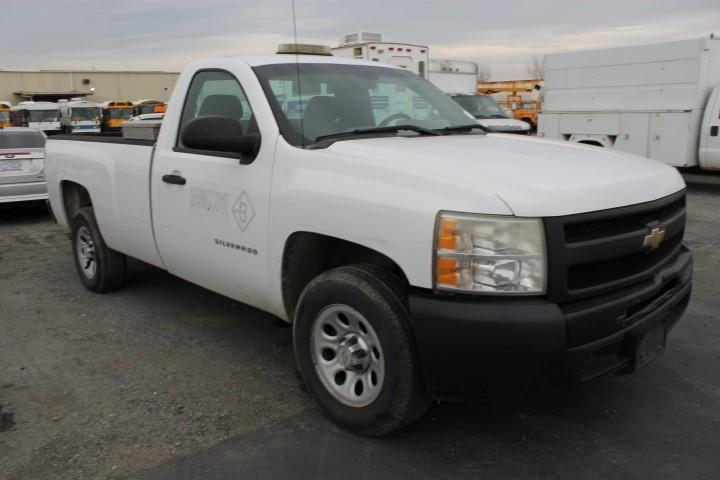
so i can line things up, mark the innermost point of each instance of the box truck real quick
(370, 46)
(660, 101)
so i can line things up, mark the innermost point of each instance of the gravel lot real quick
(165, 380)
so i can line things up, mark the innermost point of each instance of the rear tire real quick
(100, 268)
(356, 352)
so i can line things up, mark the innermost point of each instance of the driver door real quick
(210, 211)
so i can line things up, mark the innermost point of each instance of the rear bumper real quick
(23, 192)
(479, 347)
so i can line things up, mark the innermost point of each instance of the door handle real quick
(714, 131)
(174, 179)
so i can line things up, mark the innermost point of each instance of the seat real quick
(322, 117)
(221, 105)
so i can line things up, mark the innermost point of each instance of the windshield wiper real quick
(462, 128)
(322, 139)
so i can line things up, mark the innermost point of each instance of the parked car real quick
(417, 257)
(22, 163)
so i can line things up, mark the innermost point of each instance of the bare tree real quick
(536, 67)
(483, 74)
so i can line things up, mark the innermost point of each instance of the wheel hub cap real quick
(348, 356)
(353, 353)
(85, 248)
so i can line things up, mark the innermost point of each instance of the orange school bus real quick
(114, 114)
(5, 115)
(143, 107)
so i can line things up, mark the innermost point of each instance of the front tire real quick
(355, 350)
(100, 268)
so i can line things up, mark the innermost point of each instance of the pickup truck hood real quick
(533, 177)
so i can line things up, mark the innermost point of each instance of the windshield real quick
(341, 98)
(120, 113)
(21, 139)
(481, 106)
(4, 117)
(85, 113)
(44, 115)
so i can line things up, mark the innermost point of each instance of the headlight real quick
(489, 254)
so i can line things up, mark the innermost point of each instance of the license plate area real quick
(650, 344)
(11, 166)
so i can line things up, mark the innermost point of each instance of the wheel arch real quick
(74, 197)
(594, 143)
(308, 254)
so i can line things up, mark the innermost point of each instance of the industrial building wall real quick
(107, 85)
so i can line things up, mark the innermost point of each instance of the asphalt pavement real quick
(165, 380)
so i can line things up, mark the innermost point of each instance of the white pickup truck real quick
(417, 256)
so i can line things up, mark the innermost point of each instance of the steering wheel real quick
(393, 117)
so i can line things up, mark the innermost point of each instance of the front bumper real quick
(480, 347)
(23, 192)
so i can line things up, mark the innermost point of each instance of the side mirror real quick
(220, 134)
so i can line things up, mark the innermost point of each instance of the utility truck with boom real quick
(416, 256)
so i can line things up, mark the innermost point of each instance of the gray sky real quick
(166, 34)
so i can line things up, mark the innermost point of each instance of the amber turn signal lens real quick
(447, 233)
(446, 271)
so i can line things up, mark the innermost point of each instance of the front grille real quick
(581, 232)
(591, 254)
(609, 271)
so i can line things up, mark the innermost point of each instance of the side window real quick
(217, 93)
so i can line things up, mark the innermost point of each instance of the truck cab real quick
(416, 257)
(490, 114)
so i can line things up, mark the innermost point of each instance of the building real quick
(94, 85)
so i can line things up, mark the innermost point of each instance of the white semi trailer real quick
(660, 101)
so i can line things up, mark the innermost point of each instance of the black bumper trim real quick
(481, 347)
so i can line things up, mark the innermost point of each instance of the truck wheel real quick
(355, 350)
(101, 269)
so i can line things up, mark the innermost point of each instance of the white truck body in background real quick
(454, 76)
(370, 46)
(651, 100)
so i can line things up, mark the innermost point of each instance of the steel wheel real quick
(85, 248)
(348, 355)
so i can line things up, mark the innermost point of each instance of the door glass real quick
(217, 93)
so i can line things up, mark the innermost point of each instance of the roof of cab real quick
(259, 60)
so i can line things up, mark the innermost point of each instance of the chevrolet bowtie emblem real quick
(654, 238)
